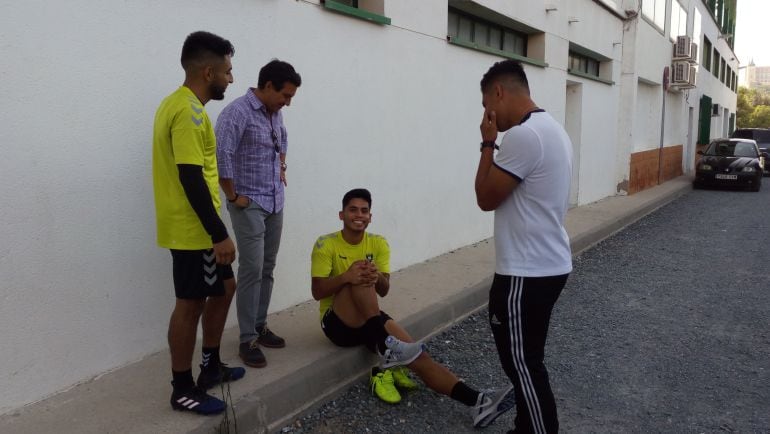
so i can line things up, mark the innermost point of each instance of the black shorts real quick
(197, 274)
(344, 336)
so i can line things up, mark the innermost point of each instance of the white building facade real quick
(390, 101)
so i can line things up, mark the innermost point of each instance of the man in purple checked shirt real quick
(251, 157)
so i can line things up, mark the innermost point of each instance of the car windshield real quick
(732, 149)
(761, 136)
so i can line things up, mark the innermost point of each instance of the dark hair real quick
(200, 47)
(511, 69)
(278, 72)
(357, 193)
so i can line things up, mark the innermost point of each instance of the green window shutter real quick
(704, 121)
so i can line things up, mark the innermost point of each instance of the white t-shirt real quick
(530, 238)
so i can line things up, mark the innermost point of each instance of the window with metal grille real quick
(485, 34)
(584, 64)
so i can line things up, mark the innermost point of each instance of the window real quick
(369, 10)
(678, 20)
(655, 11)
(584, 64)
(715, 65)
(696, 23)
(485, 34)
(723, 71)
(706, 58)
(589, 64)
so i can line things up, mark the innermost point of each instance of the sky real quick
(751, 32)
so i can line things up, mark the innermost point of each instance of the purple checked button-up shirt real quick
(246, 150)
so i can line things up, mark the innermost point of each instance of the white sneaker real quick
(400, 353)
(490, 405)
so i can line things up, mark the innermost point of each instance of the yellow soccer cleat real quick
(381, 383)
(402, 379)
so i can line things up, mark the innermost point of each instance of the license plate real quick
(721, 176)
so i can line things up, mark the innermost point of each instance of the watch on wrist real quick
(283, 165)
(489, 144)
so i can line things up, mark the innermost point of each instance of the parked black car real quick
(732, 163)
(759, 135)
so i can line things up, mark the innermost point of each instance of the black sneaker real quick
(251, 354)
(196, 401)
(269, 339)
(210, 378)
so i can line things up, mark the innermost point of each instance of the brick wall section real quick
(644, 167)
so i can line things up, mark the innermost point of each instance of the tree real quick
(745, 107)
(753, 109)
(761, 117)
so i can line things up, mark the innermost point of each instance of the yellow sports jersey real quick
(183, 134)
(332, 256)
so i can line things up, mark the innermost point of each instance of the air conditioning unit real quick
(715, 109)
(692, 74)
(683, 48)
(693, 53)
(681, 72)
(693, 82)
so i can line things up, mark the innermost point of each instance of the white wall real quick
(85, 288)
(392, 108)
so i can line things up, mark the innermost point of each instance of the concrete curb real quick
(432, 296)
(308, 388)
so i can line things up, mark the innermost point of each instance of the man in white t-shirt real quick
(527, 185)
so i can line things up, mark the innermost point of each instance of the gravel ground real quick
(663, 327)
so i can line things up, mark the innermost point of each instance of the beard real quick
(217, 92)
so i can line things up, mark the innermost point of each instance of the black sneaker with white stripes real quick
(196, 401)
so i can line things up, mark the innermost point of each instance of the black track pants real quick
(519, 313)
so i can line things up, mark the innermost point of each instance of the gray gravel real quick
(663, 327)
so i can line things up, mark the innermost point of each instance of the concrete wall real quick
(393, 108)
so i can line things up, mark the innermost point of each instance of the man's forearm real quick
(323, 287)
(228, 187)
(382, 286)
(485, 163)
(199, 196)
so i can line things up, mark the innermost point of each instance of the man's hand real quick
(225, 251)
(370, 270)
(359, 273)
(283, 177)
(241, 201)
(488, 126)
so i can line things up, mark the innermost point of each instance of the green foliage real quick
(753, 109)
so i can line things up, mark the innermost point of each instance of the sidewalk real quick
(431, 296)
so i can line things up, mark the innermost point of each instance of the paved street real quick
(664, 327)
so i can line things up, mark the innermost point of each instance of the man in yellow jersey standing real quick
(186, 184)
(349, 269)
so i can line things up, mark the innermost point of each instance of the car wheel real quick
(696, 185)
(757, 186)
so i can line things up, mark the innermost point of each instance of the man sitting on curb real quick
(350, 268)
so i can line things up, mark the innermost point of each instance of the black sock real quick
(374, 329)
(210, 358)
(182, 380)
(462, 393)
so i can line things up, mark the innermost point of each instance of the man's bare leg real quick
(435, 375)
(215, 315)
(182, 328)
(354, 305)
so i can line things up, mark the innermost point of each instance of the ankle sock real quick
(210, 358)
(462, 393)
(182, 380)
